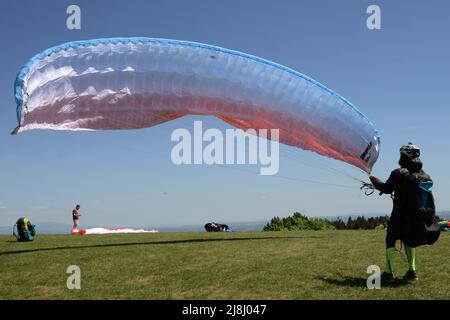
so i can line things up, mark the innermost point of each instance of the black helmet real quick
(410, 151)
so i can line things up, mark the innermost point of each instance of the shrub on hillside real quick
(297, 222)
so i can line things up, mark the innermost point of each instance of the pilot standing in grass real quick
(75, 216)
(401, 184)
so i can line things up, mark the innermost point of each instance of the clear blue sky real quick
(398, 77)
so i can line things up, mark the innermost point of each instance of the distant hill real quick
(444, 214)
(235, 226)
(441, 214)
(43, 228)
(61, 228)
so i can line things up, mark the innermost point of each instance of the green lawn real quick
(240, 265)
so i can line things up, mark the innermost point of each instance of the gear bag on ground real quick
(23, 230)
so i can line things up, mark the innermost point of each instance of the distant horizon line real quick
(165, 226)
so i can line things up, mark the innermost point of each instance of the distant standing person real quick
(75, 216)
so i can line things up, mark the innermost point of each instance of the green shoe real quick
(411, 275)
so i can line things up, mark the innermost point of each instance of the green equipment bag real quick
(23, 230)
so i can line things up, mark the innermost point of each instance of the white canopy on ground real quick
(110, 231)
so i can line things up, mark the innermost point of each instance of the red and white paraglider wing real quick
(129, 83)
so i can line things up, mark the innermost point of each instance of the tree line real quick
(301, 222)
(361, 222)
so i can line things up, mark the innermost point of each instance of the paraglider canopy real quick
(131, 83)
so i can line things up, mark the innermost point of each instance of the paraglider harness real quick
(216, 227)
(23, 230)
(422, 226)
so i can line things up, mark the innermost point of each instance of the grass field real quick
(240, 265)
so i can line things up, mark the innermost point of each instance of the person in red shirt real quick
(75, 216)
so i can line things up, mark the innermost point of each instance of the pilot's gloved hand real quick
(374, 180)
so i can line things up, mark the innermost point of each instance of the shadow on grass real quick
(148, 243)
(343, 281)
